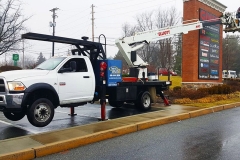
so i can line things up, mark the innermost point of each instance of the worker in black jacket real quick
(238, 15)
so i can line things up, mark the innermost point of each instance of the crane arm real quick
(128, 44)
(132, 43)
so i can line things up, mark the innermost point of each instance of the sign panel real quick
(15, 57)
(208, 48)
(113, 72)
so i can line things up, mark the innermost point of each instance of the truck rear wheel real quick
(114, 103)
(41, 112)
(14, 116)
(144, 101)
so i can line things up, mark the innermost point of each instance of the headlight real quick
(16, 86)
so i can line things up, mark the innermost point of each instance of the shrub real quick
(177, 88)
(187, 93)
(183, 101)
(203, 90)
(226, 89)
(234, 84)
(9, 68)
(178, 92)
(125, 75)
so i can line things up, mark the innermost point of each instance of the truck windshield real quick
(50, 64)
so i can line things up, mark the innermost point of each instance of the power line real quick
(117, 3)
(133, 10)
(45, 50)
(136, 5)
(73, 22)
(73, 15)
(74, 26)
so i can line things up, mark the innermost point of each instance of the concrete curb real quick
(200, 112)
(46, 149)
(19, 155)
(76, 142)
(218, 108)
(161, 121)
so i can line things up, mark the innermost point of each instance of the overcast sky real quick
(74, 19)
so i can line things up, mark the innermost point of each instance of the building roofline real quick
(213, 4)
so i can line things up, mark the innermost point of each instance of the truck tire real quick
(14, 116)
(41, 112)
(114, 103)
(144, 101)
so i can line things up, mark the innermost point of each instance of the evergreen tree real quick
(125, 67)
(40, 58)
(178, 57)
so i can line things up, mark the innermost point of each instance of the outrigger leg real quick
(166, 102)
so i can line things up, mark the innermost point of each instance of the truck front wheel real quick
(144, 101)
(41, 112)
(14, 116)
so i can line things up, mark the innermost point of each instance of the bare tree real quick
(231, 54)
(29, 61)
(161, 53)
(11, 25)
(128, 30)
(165, 18)
(145, 22)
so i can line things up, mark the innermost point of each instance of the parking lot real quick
(89, 113)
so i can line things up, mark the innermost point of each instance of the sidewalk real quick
(38, 145)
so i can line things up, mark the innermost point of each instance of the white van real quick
(229, 74)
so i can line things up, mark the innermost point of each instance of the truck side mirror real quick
(63, 70)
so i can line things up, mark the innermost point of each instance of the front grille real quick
(2, 86)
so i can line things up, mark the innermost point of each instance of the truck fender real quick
(38, 86)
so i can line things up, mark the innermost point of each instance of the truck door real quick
(75, 85)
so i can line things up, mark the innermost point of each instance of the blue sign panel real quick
(114, 72)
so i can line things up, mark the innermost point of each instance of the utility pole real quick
(53, 24)
(92, 22)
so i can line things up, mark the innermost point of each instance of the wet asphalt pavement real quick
(214, 136)
(86, 114)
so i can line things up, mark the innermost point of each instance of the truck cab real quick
(59, 81)
(229, 74)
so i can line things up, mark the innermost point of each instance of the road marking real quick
(7, 123)
(61, 112)
(83, 115)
